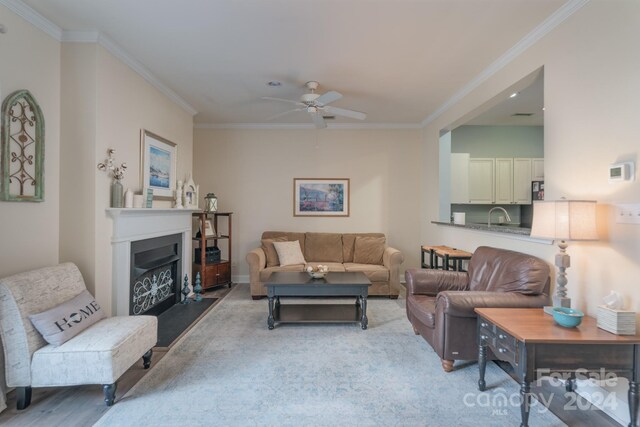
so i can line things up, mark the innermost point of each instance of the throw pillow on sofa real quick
(289, 253)
(270, 251)
(63, 322)
(368, 250)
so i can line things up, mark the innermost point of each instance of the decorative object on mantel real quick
(563, 220)
(117, 173)
(185, 290)
(138, 201)
(612, 318)
(197, 289)
(179, 195)
(191, 194)
(128, 198)
(210, 203)
(149, 203)
(158, 169)
(22, 149)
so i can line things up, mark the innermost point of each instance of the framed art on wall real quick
(158, 168)
(321, 197)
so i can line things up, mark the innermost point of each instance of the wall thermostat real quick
(621, 172)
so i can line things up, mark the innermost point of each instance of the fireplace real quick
(134, 227)
(156, 271)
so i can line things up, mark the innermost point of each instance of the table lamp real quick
(563, 220)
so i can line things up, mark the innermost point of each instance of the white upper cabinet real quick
(481, 180)
(537, 169)
(504, 181)
(459, 177)
(522, 181)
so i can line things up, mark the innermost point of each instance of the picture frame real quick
(209, 231)
(321, 197)
(158, 169)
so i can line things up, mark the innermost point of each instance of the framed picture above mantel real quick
(158, 165)
(321, 197)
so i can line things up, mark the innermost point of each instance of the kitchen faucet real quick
(506, 215)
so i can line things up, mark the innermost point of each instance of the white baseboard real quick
(240, 278)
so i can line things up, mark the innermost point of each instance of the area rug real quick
(230, 370)
(179, 318)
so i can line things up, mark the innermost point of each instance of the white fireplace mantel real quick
(133, 224)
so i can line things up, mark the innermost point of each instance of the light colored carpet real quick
(230, 370)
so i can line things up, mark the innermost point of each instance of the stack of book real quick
(619, 322)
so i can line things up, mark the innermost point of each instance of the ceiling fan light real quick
(312, 109)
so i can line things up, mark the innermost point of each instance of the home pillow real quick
(63, 322)
(289, 253)
(270, 251)
(368, 250)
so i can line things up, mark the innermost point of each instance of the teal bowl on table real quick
(567, 317)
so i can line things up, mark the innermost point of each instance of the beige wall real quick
(589, 124)
(31, 60)
(252, 171)
(119, 103)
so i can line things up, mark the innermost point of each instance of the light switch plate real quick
(628, 213)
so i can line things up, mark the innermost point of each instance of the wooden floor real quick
(83, 405)
(79, 406)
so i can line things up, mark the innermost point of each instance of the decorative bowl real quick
(317, 274)
(567, 317)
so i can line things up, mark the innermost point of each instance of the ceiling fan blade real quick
(319, 120)
(328, 97)
(291, 101)
(344, 112)
(285, 113)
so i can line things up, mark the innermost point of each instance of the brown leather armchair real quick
(440, 303)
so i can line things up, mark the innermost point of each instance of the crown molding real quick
(335, 126)
(30, 15)
(526, 42)
(80, 36)
(136, 66)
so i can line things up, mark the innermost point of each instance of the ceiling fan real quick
(317, 105)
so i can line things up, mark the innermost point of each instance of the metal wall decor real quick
(22, 148)
(151, 289)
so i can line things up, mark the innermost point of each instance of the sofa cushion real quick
(270, 251)
(291, 236)
(423, 307)
(333, 266)
(98, 355)
(349, 244)
(375, 273)
(289, 253)
(63, 322)
(264, 274)
(323, 247)
(368, 250)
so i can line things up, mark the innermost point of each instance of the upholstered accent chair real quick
(441, 303)
(99, 354)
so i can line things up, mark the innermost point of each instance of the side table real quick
(535, 346)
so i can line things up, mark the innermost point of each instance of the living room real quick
(95, 95)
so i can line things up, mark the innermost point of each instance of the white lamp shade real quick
(564, 220)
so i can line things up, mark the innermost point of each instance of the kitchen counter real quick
(508, 229)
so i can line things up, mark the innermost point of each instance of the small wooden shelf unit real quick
(212, 274)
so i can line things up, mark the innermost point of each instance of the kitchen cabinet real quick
(537, 169)
(481, 180)
(459, 178)
(504, 181)
(522, 169)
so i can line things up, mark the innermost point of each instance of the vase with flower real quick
(117, 173)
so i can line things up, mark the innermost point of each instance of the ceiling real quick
(397, 60)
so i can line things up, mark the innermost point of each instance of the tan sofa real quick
(334, 250)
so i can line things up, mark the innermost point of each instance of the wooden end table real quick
(536, 346)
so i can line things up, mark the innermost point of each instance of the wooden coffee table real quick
(335, 284)
(535, 346)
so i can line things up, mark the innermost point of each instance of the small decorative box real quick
(619, 322)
